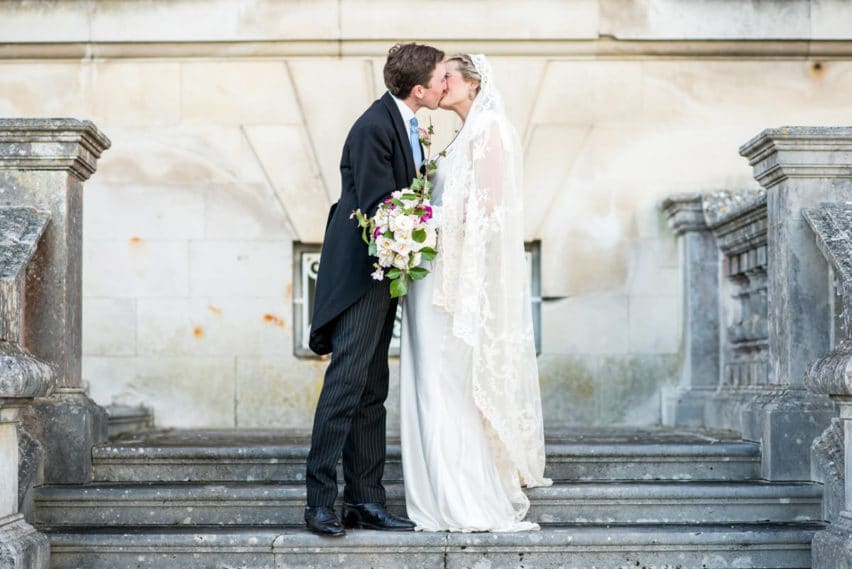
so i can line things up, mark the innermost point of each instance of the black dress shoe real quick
(323, 520)
(373, 516)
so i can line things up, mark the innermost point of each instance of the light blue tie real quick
(414, 139)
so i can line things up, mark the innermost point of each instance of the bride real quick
(472, 432)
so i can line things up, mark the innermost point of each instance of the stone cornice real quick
(51, 144)
(684, 213)
(602, 47)
(778, 154)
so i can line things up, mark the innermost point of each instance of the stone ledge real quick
(22, 375)
(51, 144)
(21, 546)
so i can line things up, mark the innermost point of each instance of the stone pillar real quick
(43, 164)
(699, 374)
(799, 167)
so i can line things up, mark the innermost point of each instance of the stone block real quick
(239, 93)
(277, 391)
(221, 20)
(109, 326)
(653, 268)
(246, 212)
(576, 267)
(515, 77)
(137, 94)
(8, 469)
(188, 155)
(205, 326)
(136, 268)
(240, 268)
(122, 211)
(298, 186)
(327, 116)
(538, 19)
(30, 471)
(67, 425)
(655, 324)
(56, 22)
(21, 546)
(629, 387)
(706, 19)
(185, 392)
(585, 324)
(589, 92)
(830, 19)
(48, 89)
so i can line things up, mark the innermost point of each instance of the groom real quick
(353, 314)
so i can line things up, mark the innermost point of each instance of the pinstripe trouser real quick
(350, 415)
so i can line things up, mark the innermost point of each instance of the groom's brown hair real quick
(410, 64)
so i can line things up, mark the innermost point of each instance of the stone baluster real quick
(43, 164)
(832, 375)
(699, 374)
(800, 167)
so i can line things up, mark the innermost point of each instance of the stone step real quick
(122, 419)
(283, 504)
(757, 546)
(211, 456)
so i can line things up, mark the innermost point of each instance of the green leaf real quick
(419, 235)
(398, 288)
(408, 197)
(393, 273)
(417, 273)
(428, 253)
(397, 203)
(373, 249)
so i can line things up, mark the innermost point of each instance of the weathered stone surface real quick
(20, 231)
(30, 471)
(827, 467)
(21, 547)
(22, 374)
(563, 503)
(67, 424)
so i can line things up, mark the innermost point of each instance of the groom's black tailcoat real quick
(354, 315)
(376, 160)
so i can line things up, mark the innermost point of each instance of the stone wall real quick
(227, 123)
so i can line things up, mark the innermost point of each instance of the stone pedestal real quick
(43, 164)
(799, 167)
(699, 375)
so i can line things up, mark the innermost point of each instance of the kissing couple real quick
(471, 426)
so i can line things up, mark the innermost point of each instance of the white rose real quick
(400, 262)
(401, 247)
(383, 244)
(415, 260)
(386, 258)
(402, 223)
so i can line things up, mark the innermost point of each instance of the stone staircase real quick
(234, 499)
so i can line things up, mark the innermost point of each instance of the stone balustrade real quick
(47, 424)
(769, 302)
(832, 375)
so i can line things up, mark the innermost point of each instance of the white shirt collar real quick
(405, 111)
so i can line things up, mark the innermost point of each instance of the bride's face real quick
(458, 88)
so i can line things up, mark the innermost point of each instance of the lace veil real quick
(482, 281)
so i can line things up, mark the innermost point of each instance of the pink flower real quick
(428, 213)
(377, 232)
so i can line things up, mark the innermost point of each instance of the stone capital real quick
(778, 154)
(685, 213)
(51, 144)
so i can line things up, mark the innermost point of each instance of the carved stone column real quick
(799, 167)
(43, 164)
(832, 375)
(699, 375)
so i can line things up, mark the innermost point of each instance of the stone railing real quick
(47, 424)
(832, 376)
(766, 299)
(22, 378)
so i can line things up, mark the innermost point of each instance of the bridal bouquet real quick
(402, 232)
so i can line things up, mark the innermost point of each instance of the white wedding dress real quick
(471, 425)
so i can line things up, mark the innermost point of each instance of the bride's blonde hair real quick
(467, 69)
